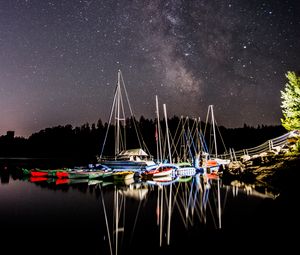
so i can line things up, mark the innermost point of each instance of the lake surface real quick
(188, 215)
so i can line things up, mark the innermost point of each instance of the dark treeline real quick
(85, 142)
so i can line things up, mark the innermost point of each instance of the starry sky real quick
(59, 59)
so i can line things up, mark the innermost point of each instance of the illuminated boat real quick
(185, 169)
(161, 170)
(44, 172)
(78, 174)
(135, 159)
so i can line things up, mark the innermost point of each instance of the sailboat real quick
(213, 160)
(134, 159)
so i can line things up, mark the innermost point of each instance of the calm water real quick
(143, 218)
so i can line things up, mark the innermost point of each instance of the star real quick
(63, 57)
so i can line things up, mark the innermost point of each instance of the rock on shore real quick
(272, 168)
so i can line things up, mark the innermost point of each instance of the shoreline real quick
(276, 172)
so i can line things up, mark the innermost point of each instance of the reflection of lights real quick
(251, 189)
(193, 197)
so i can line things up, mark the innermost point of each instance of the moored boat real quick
(90, 172)
(161, 170)
(62, 174)
(44, 172)
(135, 159)
(77, 174)
(132, 159)
(185, 169)
(123, 177)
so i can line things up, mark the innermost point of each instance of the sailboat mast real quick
(159, 149)
(117, 144)
(167, 133)
(214, 130)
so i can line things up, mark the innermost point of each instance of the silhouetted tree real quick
(85, 142)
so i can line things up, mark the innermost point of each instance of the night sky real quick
(59, 59)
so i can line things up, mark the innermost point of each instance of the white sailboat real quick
(213, 150)
(124, 158)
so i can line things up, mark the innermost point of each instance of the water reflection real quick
(190, 200)
(253, 190)
(159, 212)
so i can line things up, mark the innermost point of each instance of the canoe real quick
(62, 174)
(43, 172)
(78, 174)
(123, 175)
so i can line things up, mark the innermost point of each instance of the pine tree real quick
(291, 102)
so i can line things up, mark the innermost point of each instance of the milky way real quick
(59, 59)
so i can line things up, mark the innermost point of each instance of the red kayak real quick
(62, 174)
